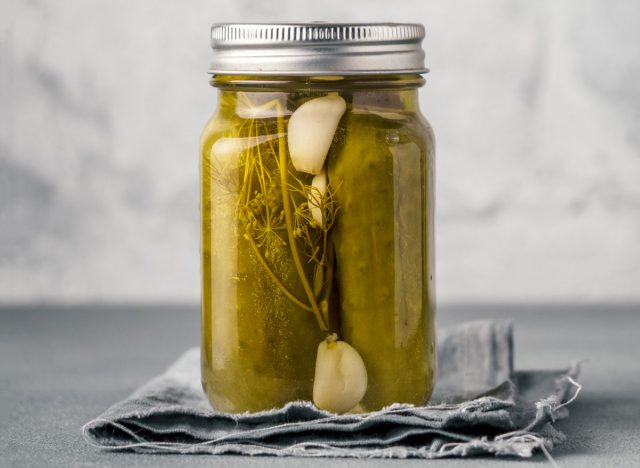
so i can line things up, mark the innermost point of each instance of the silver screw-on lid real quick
(317, 48)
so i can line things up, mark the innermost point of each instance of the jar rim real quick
(318, 82)
(317, 49)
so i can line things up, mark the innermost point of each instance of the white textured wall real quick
(536, 107)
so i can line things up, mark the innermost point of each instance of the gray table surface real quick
(61, 366)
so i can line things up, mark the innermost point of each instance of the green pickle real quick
(380, 237)
(317, 247)
(255, 339)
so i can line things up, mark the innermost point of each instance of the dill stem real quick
(329, 277)
(289, 222)
(275, 279)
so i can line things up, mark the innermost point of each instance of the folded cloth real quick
(480, 406)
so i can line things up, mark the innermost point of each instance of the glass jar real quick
(317, 219)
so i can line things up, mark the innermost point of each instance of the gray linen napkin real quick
(480, 406)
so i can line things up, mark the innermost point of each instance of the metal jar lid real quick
(317, 48)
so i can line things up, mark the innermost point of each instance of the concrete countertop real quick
(62, 366)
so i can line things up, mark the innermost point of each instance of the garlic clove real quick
(311, 129)
(261, 105)
(318, 189)
(226, 151)
(341, 377)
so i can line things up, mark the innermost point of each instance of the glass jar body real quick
(291, 256)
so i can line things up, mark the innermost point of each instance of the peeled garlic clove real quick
(261, 105)
(225, 152)
(311, 129)
(318, 189)
(225, 160)
(341, 376)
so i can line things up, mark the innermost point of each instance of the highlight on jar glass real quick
(317, 219)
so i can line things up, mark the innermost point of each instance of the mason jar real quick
(317, 209)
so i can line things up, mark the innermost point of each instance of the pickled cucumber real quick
(381, 241)
(259, 346)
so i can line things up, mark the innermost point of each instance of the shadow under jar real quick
(317, 219)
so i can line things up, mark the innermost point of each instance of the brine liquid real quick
(371, 271)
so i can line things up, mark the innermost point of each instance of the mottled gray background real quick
(535, 104)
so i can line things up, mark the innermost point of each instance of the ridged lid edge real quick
(317, 48)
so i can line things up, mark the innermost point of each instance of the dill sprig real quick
(273, 208)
